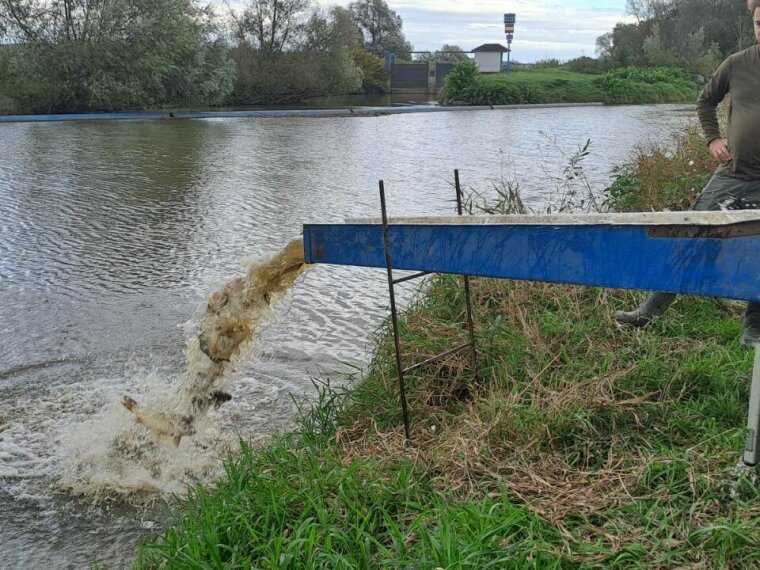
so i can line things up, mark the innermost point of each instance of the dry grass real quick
(597, 427)
(658, 179)
(552, 363)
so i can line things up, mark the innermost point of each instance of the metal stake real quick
(752, 448)
(470, 326)
(394, 315)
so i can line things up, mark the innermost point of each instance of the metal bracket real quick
(394, 313)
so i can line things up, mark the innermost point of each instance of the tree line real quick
(85, 55)
(693, 34)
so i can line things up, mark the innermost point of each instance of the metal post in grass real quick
(752, 448)
(467, 296)
(394, 314)
(402, 372)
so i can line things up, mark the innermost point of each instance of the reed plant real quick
(658, 179)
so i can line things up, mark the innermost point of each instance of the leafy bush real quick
(621, 86)
(292, 76)
(709, 61)
(463, 76)
(505, 94)
(176, 63)
(656, 179)
(260, 80)
(629, 85)
(645, 75)
(374, 75)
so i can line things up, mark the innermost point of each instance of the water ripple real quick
(112, 235)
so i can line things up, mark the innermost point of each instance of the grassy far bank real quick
(538, 86)
(583, 445)
(615, 87)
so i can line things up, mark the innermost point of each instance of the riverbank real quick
(584, 443)
(273, 113)
(524, 88)
(616, 87)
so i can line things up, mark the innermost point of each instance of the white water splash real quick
(111, 456)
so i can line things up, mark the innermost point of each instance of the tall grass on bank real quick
(658, 180)
(619, 86)
(580, 444)
(631, 85)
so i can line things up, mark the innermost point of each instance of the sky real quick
(561, 30)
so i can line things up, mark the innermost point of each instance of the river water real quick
(113, 234)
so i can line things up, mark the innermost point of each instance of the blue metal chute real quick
(699, 253)
(713, 254)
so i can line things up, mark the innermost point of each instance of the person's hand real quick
(719, 150)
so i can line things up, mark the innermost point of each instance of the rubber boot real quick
(751, 324)
(654, 305)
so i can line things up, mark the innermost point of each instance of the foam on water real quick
(110, 456)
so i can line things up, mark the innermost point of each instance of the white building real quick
(488, 57)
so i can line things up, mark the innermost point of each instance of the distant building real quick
(488, 57)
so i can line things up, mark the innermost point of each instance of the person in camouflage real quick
(735, 185)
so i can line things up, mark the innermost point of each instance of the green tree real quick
(331, 37)
(627, 42)
(604, 45)
(655, 50)
(688, 32)
(709, 61)
(381, 28)
(374, 74)
(447, 54)
(272, 27)
(299, 53)
(451, 54)
(72, 55)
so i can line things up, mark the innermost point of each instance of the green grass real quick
(586, 446)
(296, 504)
(564, 86)
(581, 444)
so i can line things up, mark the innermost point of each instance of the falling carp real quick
(229, 321)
